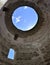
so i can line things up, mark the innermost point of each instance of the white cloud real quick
(18, 19)
(25, 7)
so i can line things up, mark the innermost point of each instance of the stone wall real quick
(31, 50)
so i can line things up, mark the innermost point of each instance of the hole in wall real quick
(11, 54)
(24, 18)
(15, 36)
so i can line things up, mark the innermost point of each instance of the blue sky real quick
(11, 53)
(24, 18)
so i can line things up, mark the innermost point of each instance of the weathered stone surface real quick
(31, 50)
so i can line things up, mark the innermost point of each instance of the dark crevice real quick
(15, 36)
(5, 9)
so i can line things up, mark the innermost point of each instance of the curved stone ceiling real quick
(32, 48)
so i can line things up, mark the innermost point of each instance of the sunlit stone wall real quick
(2, 2)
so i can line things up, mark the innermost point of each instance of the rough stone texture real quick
(33, 50)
